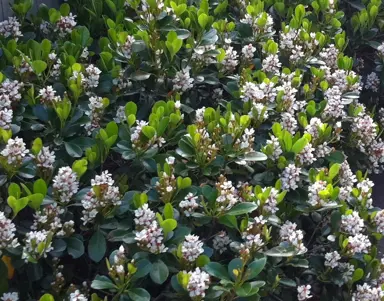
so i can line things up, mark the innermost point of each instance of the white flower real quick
(304, 292)
(290, 177)
(151, 238)
(127, 47)
(170, 160)
(289, 123)
(189, 204)
(182, 81)
(373, 82)
(10, 93)
(251, 92)
(11, 28)
(329, 56)
(91, 80)
(77, 296)
(178, 104)
(10, 296)
(15, 151)
(359, 244)
(192, 248)
(102, 196)
(221, 241)
(332, 259)
(198, 283)
(271, 64)
(366, 292)
(47, 95)
(202, 55)
(379, 221)
(66, 24)
(120, 115)
(45, 158)
(230, 60)
(6, 116)
(365, 129)
(275, 145)
(7, 233)
(352, 223)
(248, 51)
(65, 184)
(200, 114)
(314, 198)
(306, 156)
(227, 194)
(295, 237)
(346, 269)
(335, 106)
(85, 53)
(96, 109)
(144, 216)
(34, 241)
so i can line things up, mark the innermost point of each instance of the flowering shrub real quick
(200, 150)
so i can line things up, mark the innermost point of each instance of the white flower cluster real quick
(335, 106)
(10, 297)
(359, 243)
(295, 237)
(7, 233)
(379, 221)
(290, 177)
(365, 130)
(126, 48)
(6, 116)
(227, 194)
(37, 245)
(275, 145)
(202, 55)
(271, 64)
(15, 151)
(372, 82)
(307, 156)
(230, 60)
(102, 195)
(270, 205)
(77, 296)
(45, 158)
(96, 109)
(259, 27)
(92, 76)
(253, 240)
(48, 95)
(120, 115)
(314, 198)
(151, 238)
(65, 184)
(144, 216)
(66, 24)
(366, 292)
(304, 292)
(329, 56)
(347, 270)
(49, 219)
(352, 223)
(332, 259)
(56, 65)
(198, 283)
(192, 248)
(189, 204)
(221, 242)
(248, 51)
(136, 133)
(11, 28)
(256, 93)
(121, 81)
(183, 81)
(10, 93)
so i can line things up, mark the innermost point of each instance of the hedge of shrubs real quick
(191, 150)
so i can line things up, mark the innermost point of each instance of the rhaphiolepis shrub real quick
(202, 150)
